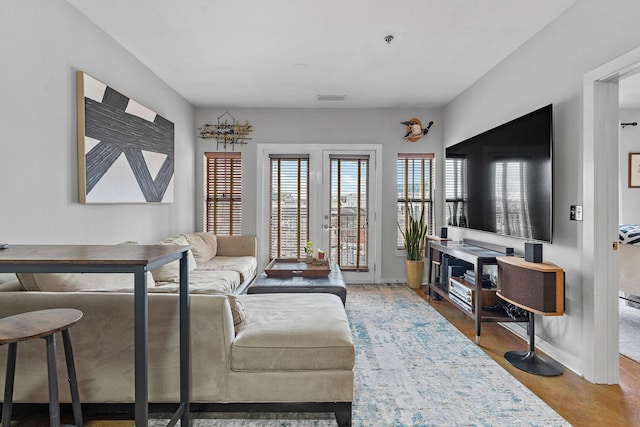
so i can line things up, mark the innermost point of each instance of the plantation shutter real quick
(224, 193)
(289, 206)
(415, 189)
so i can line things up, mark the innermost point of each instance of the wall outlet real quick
(575, 213)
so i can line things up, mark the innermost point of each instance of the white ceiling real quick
(283, 53)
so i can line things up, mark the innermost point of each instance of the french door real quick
(326, 196)
(347, 212)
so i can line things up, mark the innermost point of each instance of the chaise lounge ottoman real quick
(293, 348)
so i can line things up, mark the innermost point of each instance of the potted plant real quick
(308, 251)
(415, 236)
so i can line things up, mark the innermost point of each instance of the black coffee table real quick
(333, 283)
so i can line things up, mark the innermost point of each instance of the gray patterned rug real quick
(413, 368)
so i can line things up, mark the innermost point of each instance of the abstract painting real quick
(634, 170)
(125, 150)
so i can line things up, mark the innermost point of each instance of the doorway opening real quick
(629, 211)
(599, 238)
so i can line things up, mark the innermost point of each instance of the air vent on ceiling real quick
(331, 97)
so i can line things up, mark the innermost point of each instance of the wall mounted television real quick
(500, 181)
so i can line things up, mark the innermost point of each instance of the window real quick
(289, 207)
(415, 189)
(224, 193)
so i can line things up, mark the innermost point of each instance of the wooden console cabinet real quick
(478, 257)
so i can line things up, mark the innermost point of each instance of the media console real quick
(461, 280)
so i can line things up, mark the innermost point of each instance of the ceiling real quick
(284, 53)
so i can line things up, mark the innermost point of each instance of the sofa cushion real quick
(290, 332)
(7, 277)
(245, 265)
(203, 245)
(171, 272)
(80, 282)
(204, 282)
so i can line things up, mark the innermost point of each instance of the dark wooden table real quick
(137, 259)
(297, 282)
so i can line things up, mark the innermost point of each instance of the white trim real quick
(599, 266)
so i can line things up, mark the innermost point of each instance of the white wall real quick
(629, 143)
(550, 69)
(328, 126)
(42, 44)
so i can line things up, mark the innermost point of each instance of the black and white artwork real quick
(125, 150)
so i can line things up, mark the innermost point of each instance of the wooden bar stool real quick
(41, 324)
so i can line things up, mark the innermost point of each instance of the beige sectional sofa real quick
(217, 265)
(286, 349)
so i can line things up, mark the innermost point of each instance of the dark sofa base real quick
(125, 411)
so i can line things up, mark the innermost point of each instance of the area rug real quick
(413, 368)
(629, 330)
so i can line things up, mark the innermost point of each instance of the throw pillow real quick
(203, 245)
(171, 272)
(237, 311)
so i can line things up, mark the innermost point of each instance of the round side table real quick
(41, 324)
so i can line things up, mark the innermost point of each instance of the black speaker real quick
(443, 232)
(533, 252)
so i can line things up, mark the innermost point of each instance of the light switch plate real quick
(575, 213)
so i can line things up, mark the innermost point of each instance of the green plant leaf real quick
(414, 235)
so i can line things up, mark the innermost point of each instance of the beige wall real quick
(42, 44)
(335, 127)
(550, 69)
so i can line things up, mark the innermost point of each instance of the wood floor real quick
(579, 401)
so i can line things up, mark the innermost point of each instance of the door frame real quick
(600, 229)
(262, 195)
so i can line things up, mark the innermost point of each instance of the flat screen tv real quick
(500, 181)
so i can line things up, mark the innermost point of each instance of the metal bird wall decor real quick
(226, 132)
(415, 131)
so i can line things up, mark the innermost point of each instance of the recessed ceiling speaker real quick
(331, 97)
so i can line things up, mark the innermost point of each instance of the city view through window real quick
(347, 225)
